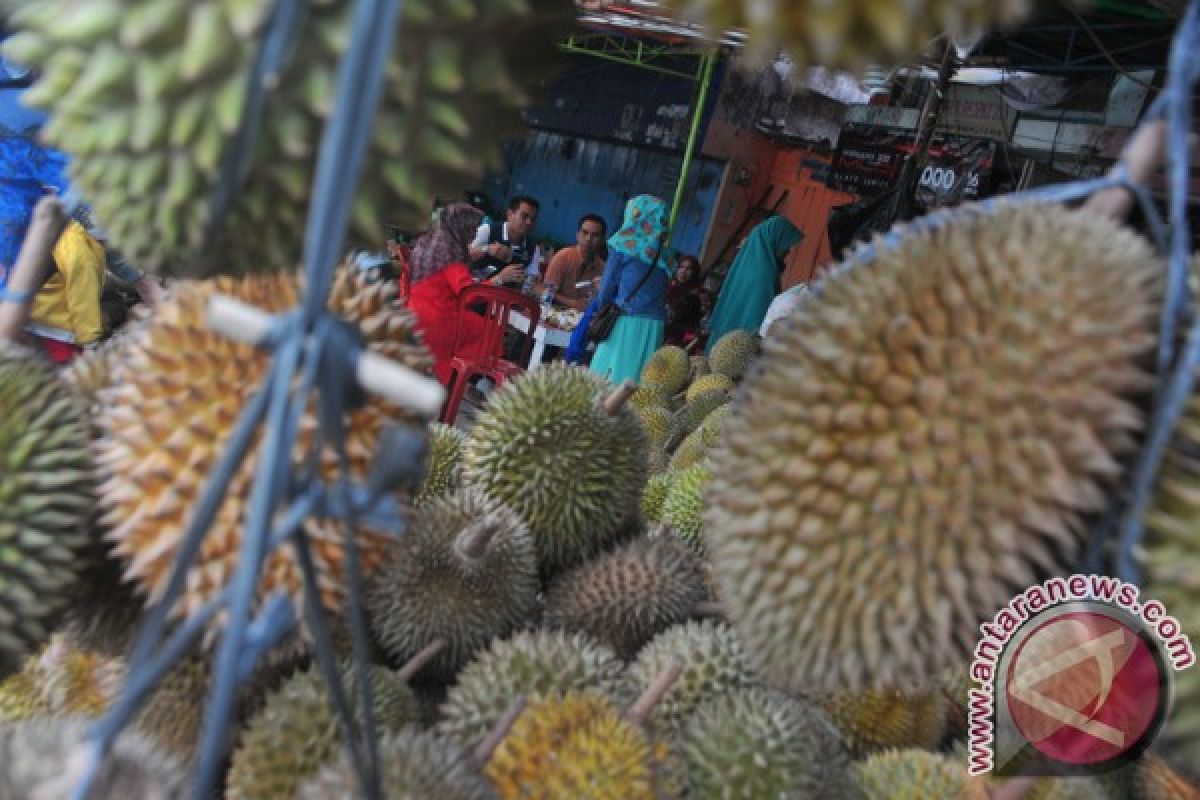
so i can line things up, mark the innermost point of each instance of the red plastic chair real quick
(497, 302)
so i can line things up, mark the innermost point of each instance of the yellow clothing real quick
(68, 306)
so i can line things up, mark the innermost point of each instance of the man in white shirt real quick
(496, 247)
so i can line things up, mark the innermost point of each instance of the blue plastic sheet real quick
(25, 167)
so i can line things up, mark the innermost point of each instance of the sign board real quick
(955, 170)
(867, 162)
(975, 111)
(883, 116)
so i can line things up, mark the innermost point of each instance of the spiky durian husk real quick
(710, 428)
(691, 451)
(46, 499)
(683, 508)
(714, 383)
(149, 121)
(668, 368)
(754, 742)
(104, 613)
(651, 394)
(443, 470)
(697, 409)
(626, 597)
(916, 775)
(656, 420)
(732, 354)
(61, 681)
(874, 720)
(698, 366)
(545, 448)
(47, 758)
(712, 662)
(850, 34)
(431, 588)
(165, 425)
(577, 745)
(296, 731)
(414, 765)
(951, 410)
(655, 494)
(529, 664)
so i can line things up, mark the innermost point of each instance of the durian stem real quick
(29, 272)
(640, 711)
(1015, 789)
(488, 744)
(619, 397)
(473, 542)
(708, 609)
(418, 662)
(1143, 154)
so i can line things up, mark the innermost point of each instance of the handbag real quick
(605, 319)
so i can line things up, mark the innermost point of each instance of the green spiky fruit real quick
(46, 499)
(656, 420)
(443, 464)
(854, 34)
(715, 382)
(546, 447)
(683, 508)
(754, 742)
(696, 410)
(699, 366)
(104, 613)
(414, 765)
(464, 572)
(528, 664)
(921, 444)
(577, 745)
(650, 395)
(732, 354)
(150, 121)
(59, 681)
(668, 368)
(655, 494)
(712, 662)
(297, 731)
(873, 721)
(710, 428)
(916, 775)
(48, 759)
(626, 597)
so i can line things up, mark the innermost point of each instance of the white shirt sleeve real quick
(482, 235)
(782, 306)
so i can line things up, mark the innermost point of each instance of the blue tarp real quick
(25, 167)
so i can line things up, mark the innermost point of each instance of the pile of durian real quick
(758, 575)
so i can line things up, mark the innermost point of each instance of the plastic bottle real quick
(533, 271)
(548, 294)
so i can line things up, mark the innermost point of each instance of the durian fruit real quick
(753, 742)
(104, 612)
(443, 466)
(650, 395)
(712, 661)
(696, 410)
(698, 367)
(655, 494)
(708, 384)
(872, 721)
(465, 572)
(173, 715)
(547, 447)
(683, 508)
(850, 35)
(710, 428)
(668, 367)
(691, 451)
(61, 681)
(47, 759)
(577, 745)
(626, 597)
(151, 119)
(529, 664)
(414, 765)
(296, 732)
(732, 354)
(46, 499)
(165, 425)
(1076, 787)
(916, 775)
(657, 421)
(955, 685)
(920, 445)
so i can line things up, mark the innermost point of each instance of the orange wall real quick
(807, 206)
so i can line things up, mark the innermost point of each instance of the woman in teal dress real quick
(636, 278)
(753, 280)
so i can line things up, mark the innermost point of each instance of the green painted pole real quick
(706, 71)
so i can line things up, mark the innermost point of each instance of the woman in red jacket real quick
(439, 275)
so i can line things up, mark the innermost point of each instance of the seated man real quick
(498, 246)
(575, 271)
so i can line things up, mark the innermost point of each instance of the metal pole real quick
(708, 60)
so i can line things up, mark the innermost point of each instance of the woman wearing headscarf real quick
(754, 279)
(439, 275)
(687, 302)
(635, 278)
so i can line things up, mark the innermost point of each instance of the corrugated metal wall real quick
(571, 176)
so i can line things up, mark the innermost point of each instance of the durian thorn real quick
(1015, 789)
(619, 397)
(708, 608)
(418, 662)
(474, 540)
(640, 711)
(488, 744)
(29, 271)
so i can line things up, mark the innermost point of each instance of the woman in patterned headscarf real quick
(635, 278)
(439, 275)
